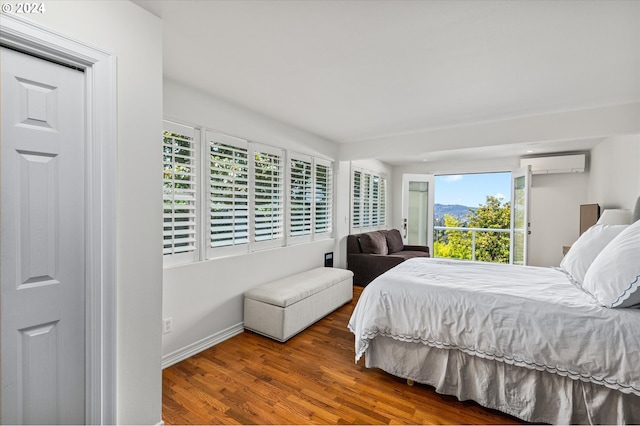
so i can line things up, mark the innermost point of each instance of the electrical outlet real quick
(167, 325)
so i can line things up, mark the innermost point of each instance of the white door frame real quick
(101, 160)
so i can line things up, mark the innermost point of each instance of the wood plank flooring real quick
(311, 379)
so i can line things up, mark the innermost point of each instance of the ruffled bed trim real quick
(533, 396)
(366, 336)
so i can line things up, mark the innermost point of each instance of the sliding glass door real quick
(519, 215)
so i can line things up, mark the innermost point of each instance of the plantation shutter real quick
(375, 200)
(300, 178)
(228, 191)
(382, 205)
(366, 200)
(323, 197)
(268, 196)
(356, 200)
(179, 147)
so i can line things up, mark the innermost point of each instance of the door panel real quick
(520, 179)
(37, 239)
(38, 366)
(417, 205)
(43, 242)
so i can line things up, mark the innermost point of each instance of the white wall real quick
(205, 299)
(135, 37)
(614, 179)
(554, 215)
(554, 202)
(185, 104)
(342, 212)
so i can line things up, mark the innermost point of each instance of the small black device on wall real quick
(328, 260)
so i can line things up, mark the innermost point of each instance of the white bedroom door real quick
(520, 182)
(42, 279)
(417, 209)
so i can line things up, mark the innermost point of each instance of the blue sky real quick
(472, 189)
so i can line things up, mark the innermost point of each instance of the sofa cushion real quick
(374, 243)
(394, 241)
(409, 254)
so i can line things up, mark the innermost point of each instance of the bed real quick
(553, 345)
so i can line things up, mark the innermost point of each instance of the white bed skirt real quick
(531, 395)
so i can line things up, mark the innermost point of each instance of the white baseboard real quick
(199, 346)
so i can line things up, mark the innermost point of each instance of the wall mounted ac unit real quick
(557, 164)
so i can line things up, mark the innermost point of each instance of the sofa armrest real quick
(416, 248)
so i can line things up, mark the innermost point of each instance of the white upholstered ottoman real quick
(283, 308)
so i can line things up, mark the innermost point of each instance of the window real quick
(180, 149)
(382, 208)
(228, 191)
(368, 201)
(268, 198)
(323, 197)
(356, 203)
(244, 189)
(375, 201)
(473, 201)
(311, 198)
(300, 197)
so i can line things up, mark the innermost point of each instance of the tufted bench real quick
(280, 309)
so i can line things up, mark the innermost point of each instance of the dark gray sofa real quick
(372, 253)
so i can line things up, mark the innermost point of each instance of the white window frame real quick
(312, 235)
(241, 245)
(188, 256)
(368, 205)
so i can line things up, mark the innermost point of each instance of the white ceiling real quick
(351, 71)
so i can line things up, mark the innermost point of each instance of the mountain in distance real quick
(455, 210)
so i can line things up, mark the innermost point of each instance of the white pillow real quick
(614, 276)
(586, 248)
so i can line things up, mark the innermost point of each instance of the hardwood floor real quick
(311, 379)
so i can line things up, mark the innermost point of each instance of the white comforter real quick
(526, 316)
